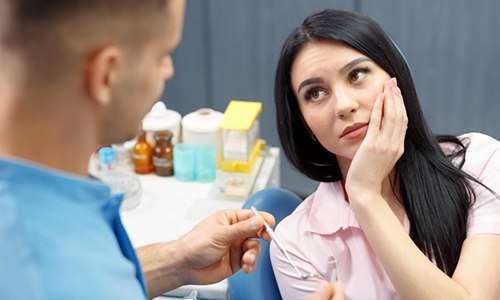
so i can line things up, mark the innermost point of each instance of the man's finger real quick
(251, 251)
(248, 227)
(324, 292)
(236, 253)
(338, 291)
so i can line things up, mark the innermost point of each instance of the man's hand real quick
(328, 291)
(222, 244)
(215, 249)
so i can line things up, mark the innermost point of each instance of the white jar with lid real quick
(202, 127)
(161, 119)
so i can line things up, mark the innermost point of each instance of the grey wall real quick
(230, 49)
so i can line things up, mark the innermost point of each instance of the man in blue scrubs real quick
(75, 75)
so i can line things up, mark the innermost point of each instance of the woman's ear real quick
(102, 69)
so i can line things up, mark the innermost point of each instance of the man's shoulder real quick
(49, 251)
(18, 269)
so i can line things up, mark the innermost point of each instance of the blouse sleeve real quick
(297, 243)
(290, 284)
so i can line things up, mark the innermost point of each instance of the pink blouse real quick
(322, 234)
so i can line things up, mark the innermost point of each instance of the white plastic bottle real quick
(160, 118)
(202, 127)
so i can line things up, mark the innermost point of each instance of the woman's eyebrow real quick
(352, 63)
(308, 82)
(342, 71)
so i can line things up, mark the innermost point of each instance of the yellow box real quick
(240, 135)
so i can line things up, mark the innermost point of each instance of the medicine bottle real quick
(142, 155)
(162, 154)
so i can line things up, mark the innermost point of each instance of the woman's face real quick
(336, 87)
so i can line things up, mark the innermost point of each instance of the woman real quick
(399, 213)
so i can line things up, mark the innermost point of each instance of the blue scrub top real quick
(61, 237)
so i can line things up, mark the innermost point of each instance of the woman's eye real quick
(357, 75)
(314, 94)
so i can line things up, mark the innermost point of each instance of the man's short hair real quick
(51, 34)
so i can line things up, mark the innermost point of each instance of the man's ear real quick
(102, 69)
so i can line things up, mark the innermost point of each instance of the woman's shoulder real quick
(483, 153)
(482, 160)
(297, 218)
(309, 216)
(479, 140)
(474, 140)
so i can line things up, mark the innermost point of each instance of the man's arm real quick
(215, 249)
(161, 265)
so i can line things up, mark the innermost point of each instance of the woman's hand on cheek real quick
(383, 144)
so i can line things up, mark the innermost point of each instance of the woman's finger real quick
(376, 116)
(390, 113)
(401, 117)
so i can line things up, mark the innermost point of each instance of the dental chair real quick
(261, 284)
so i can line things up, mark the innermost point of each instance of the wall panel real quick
(230, 49)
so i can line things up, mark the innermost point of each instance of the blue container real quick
(184, 162)
(205, 163)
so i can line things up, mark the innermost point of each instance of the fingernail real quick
(394, 82)
(252, 258)
(253, 221)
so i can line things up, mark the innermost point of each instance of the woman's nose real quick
(345, 104)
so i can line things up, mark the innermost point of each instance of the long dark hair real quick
(435, 193)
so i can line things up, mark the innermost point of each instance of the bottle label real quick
(162, 162)
(140, 156)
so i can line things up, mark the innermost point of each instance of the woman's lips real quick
(354, 131)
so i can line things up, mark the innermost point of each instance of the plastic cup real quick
(205, 163)
(184, 162)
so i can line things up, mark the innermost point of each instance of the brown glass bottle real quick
(163, 154)
(142, 155)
